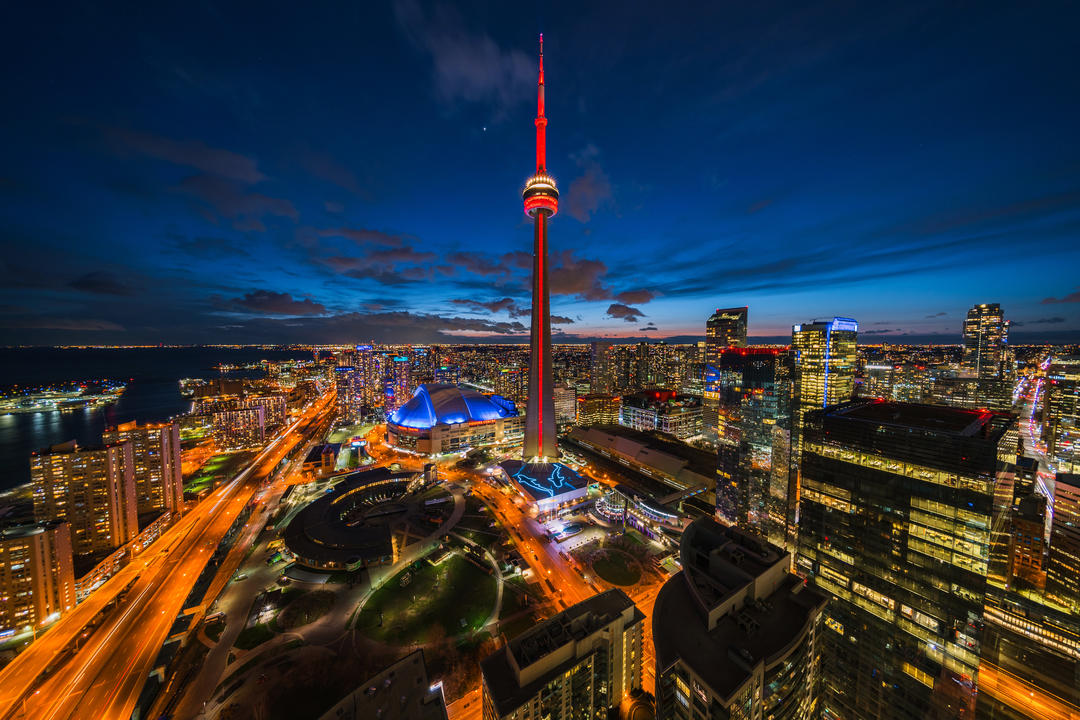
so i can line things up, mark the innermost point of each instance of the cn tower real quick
(541, 202)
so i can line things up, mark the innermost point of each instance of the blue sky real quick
(274, 172)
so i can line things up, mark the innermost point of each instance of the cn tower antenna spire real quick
(541, 121)
(541, 203)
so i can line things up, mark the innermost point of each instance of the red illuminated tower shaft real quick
(541, 202)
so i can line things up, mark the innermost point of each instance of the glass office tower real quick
(825, 355)
(895, 518)
(724, 329)
(754, 389)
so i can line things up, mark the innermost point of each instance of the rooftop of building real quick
(21, 531)
(646, 499)
(400, 692)
(937, 418)
(722, 561)
(72, 446)
(320, 532)
(445, 404)
(543, 481)
(766, 610)
(317, 451)
(572, 625)
(661, 399)
(653, 448)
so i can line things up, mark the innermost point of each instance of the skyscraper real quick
(37, 581)
(895, 523)
(399, 385)
(541, 202)
(600, 370)
(725, 328)
(93, 489)
(1063, 570)
(985, 336)
(754, 388)
(825, 356)
(345, 385)
(1063, 412)
(736, 634)
(155, 447)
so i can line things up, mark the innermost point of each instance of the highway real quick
(1029, 392)
(104, 677)
(1021, 695)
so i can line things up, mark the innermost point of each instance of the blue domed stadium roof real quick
(441, 404)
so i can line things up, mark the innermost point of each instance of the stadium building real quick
(441, 418)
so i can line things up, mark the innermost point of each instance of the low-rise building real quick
(662, 410)
(598, 409)
(321, 460)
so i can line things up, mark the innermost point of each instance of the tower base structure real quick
(549, 487)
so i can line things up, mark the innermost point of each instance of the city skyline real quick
(169, 182)
(780, 418)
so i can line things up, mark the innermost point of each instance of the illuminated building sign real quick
(554, 483)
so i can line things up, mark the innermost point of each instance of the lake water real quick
(153, 392)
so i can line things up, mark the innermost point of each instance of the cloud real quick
(635, 297)
(648, 328)
(210, 248)
(937, 315)
(101, 282)
(325, 167)
(1072, 297)
(268, 302)
(494, 306)
(363, 236)
(385, 265)
(468, 66)
(880, 332)
(1041, 321)
(577, 276)
(334, 207)
(477, 264)
(42, 322)
(190, 153)
(380, 327)
(230, 200)
(561, 320)
(624, 312)
(590, 190)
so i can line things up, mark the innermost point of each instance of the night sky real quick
(351, 171)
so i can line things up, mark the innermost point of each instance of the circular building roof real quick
(441, 404)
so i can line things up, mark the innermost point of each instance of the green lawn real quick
(348, 432)
(432, 604)
(617, 567)
(217, 469)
